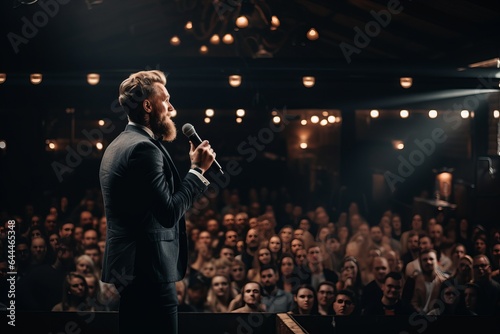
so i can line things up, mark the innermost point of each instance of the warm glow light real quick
(203, 49)
(240, 112)
(303, 122)
(3, 77)
(227, 39)
(101, 122)
(175, 41)
(99, 145)
(398, 144)
(323, 122)
(36, 78)
(303, 146)
(374, 113)
(93, 78)
(235, 80)
(314, 119)
(308, 81)
(215, 39)
(406, 82)
(433, 113)
(209, 113)
(324, 113)
(51, 145)
(404, 113)
(496, 113)
(189, 25)
(242, 22)
(465, 113)
(3, 144)
(331, 119)
(207, 120)
(239, 119)
(275, 22)
(276, 119)
(312, 34)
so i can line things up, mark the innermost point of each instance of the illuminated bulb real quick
(242, 22)
(303, 122)
(323, 122)
(93, 79)
(189, 25)
(325, 113)
(101, 122)
(36, 78)
(433, 113)
(275, 22)
(175, 41)
(465, 113)
(239, 119)
(496, 113)
(99, 145)
(314, 119)
(240, 112)
(3, 77)
(400, 146)
(52, 145)
(303, 146)
(3, 144)
(312, 34)
(235, 80)
(406, 82)
(331, 119)
(203, 49)
(207, 120)
(374, 113)
(215, 39)
(276, 119)
(308, 81)
(227, 39)
(404, 113)
(209, 113)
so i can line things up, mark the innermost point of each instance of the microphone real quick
(190, 132)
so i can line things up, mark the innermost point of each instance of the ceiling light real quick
(207, 120)
(276, 119)
(303, 122)
(227, 39)
(3, 77)
(239, 119)
(331, 119)
(215, 39)
(36, 78)
(465, 114)
(496, 114)
(433, 113)
(101, 122)
(3, 144)
(175, 41)
(404, 113)
(99, 145)
(242, 22)
(203, 49)
(275, 22)
(406, 82)
(323, 122)
(235, 80)
(189, 25)
(312, 34)
(398, 144)
(93, 79)
(374, 113)
(308, 81)
(303, 146)
(209, 113)
(314, 119)
(240, 112)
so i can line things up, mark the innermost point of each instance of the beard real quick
(163, 126)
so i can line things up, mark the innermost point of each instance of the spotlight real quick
(36, 78)
(235, 80)
(308, 81)
(209, 113)
(406, 82)
(93, 78)
(240, 112)
(374, 113)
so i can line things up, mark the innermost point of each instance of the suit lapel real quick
(177, 177)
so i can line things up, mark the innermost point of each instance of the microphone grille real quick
(188, 130)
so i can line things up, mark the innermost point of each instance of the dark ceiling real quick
(363, 45)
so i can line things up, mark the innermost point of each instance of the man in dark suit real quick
(145, 200)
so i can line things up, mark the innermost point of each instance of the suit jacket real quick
(145, 201)
(419, 300)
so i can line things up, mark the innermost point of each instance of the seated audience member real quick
(489, 289)
(251, 295)
(391, 302)
(275, 299)
(313, 272)
(288, 273)
(238, 275)
(75, 295)
(344, 303)
(450, 300)
(350, 276)
(373, 290)
(305, 300)
(180, 288)
(219, 295)
(96, 298)
(325, 296)
(197, 291)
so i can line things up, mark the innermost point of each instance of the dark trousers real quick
(148, 307)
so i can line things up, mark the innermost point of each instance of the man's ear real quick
(146, 105)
